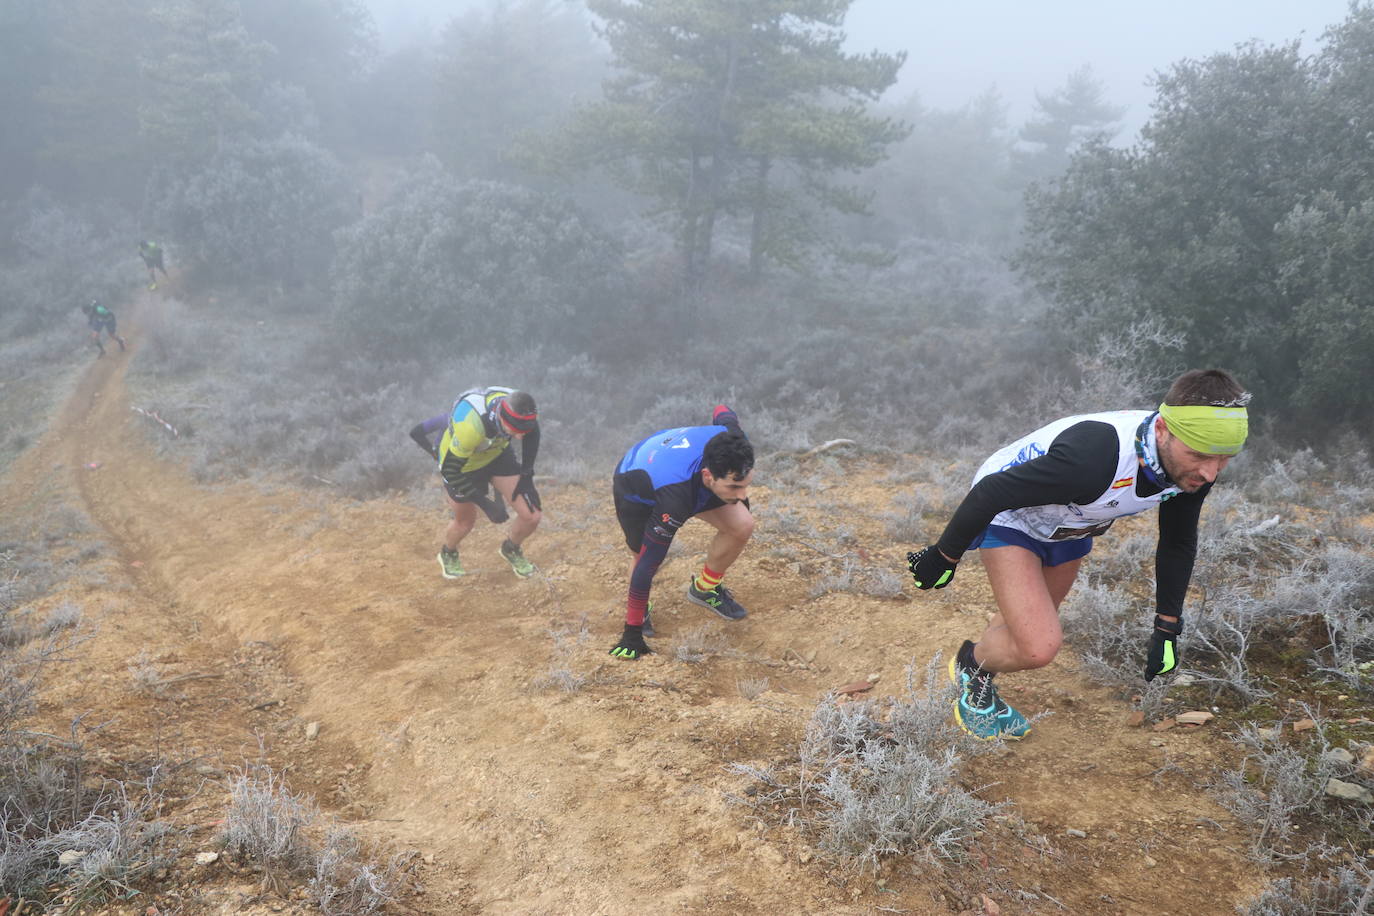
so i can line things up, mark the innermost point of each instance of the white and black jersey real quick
(1071, 479)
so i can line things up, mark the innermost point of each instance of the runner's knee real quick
(1039, 651)
(741, 530)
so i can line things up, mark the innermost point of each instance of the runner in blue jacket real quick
(662, 481)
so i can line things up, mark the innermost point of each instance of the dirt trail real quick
(608, 799)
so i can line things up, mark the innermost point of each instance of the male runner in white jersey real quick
(1036, 505)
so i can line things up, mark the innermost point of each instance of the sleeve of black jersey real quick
(529, 450)
(1176, 549)
(417, 432)
(1077, 468)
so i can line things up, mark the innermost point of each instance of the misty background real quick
(925, 229)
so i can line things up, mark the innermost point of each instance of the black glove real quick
(929, 568)
(632, 644)
(495, 509)
(525, 488)
(1163, 654)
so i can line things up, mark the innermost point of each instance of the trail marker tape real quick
(153, 415)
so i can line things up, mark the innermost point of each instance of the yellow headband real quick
(1207, 429)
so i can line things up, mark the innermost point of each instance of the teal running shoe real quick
(980, 712)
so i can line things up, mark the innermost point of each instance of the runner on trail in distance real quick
(151, 253)
(101, 319)
(1036, 505)
(660, 483)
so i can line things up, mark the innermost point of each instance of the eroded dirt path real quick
(609, 799)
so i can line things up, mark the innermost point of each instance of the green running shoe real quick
(522, 567)
(449, 563)
(980, 712)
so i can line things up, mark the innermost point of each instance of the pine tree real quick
(717, 99)
(202, 72)
(1063, 121)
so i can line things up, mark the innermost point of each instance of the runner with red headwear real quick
(472, 444)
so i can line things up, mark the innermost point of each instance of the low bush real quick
(873, 779)
(1342, 890)
(1272, 786)
(63, 835)
(273, 828)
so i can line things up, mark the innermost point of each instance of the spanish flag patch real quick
(1122, 482)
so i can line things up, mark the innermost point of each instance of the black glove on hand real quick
(525, 488)
(1163, 654)
(495, 509)
(632, 644)
(929, 568)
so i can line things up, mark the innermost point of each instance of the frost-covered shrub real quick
(874, 779)
(1272, 786)
(262, 212)
(266, 822)
(55, 258)
(1347, 889)
(452, 267)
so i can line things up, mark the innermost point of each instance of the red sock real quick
(708, 580)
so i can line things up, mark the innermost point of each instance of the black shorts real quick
(505, 465)
(633, 516)
(103, 324)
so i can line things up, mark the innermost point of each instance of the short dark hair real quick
(522, 402)
(728, 454)
(1206, 387)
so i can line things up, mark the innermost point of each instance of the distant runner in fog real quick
(101, 319)
(151, 253)
(473, 447)
(1036, 506)
(663, 481)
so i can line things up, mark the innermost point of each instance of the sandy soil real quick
(287, 607)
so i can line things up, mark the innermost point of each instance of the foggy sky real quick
(959, 50)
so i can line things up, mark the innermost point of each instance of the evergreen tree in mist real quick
(322, 48)
(1063, 121)
(25, 58)
(736, 110)
(393, 107)
(949, 179)
(504, 71)
(80, 61)
(203, 73)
